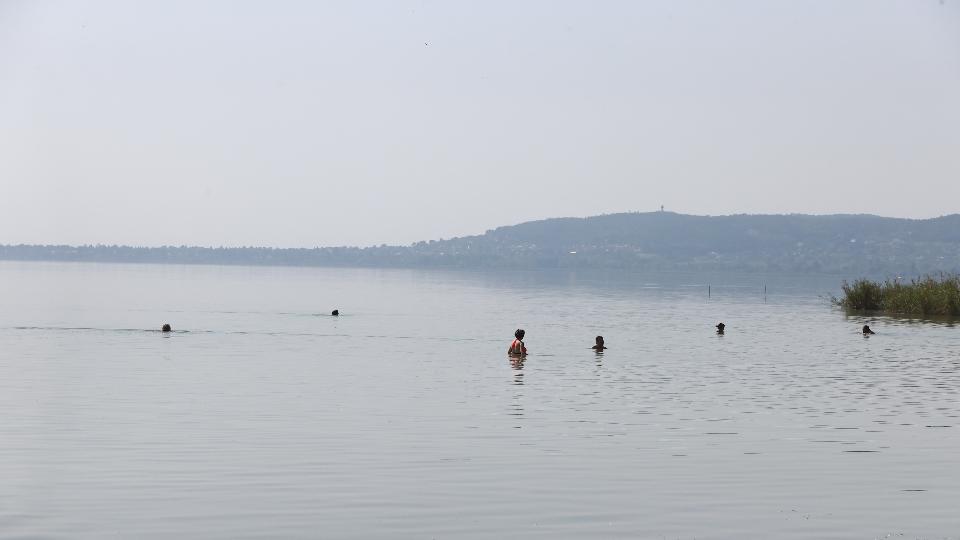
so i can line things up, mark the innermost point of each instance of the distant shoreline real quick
(850, 245)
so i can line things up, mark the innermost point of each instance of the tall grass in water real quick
(924, 296)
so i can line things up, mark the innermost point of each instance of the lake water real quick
(262, 416)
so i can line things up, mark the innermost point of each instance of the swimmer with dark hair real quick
(335, 313)
(599, 346)
(720, 328)
(517, 348)
(165, 328)
(867, 331)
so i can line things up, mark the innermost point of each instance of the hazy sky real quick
(305, 123)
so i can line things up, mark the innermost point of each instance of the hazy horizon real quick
(227, 124)
(470, 235)
(449, 237)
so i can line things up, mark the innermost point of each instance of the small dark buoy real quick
(720, 327)
(867, 331)
(165, 328)
(335, 312)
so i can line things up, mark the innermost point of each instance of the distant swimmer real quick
(165, 328)
(599, 346)
(335, 313)
(867, 331)
(720, 328)
(517, 348)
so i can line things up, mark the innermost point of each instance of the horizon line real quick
(442, 239)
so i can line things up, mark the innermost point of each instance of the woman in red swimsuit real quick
(517, 348)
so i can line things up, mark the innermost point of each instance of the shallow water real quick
(263, 416)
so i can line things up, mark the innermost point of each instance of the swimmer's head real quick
(335, 312)
(519, 334)
(599, 340)
(165, 328)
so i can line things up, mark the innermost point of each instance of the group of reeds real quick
(922, 296)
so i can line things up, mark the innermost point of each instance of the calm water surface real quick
(263, 416)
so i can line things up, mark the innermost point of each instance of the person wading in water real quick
(517, 348)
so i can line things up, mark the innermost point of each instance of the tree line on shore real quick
(654, 241)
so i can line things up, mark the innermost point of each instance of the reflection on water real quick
(901, 319)
(516, 404)
(258, 419)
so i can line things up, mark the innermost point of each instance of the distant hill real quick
(661, 241)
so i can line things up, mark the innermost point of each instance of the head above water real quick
(519, 334)
(720, 327)
(599, 340)
(165, 328)
(867, 330)
(335, 312)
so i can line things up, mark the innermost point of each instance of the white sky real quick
(306, 123)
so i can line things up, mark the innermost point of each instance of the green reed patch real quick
(923, 296)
